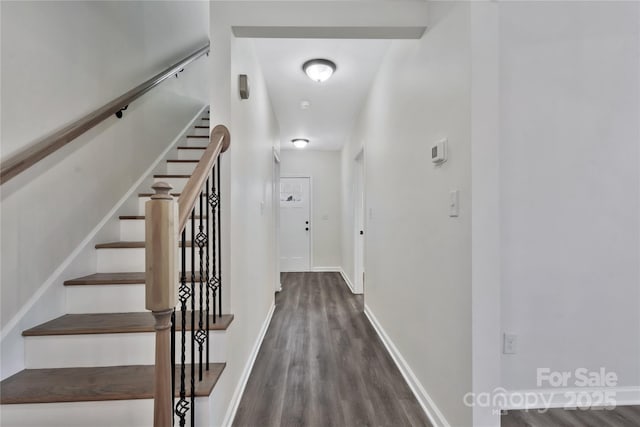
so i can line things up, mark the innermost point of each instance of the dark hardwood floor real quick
(622, 416)
(322, 364)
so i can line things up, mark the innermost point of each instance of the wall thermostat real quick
(439, 152)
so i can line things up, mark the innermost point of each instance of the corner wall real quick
(418, 259)
(249, 261)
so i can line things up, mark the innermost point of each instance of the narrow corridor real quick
(322, 364)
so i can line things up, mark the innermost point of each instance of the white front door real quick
(295, 234)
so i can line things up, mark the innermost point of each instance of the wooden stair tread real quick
(142, 217)
(94, 384)
(115, 323)
(173, 194)
(127, 245)
(136, 278)
(108, 278)
(171, 176)
(151, 194)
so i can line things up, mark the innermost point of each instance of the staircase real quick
(94, 366)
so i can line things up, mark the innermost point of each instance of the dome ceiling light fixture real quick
(300, 142)
(319, 70)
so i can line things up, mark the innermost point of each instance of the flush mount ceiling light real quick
(300, 142)
(319, 70)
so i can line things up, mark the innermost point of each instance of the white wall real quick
(570, 187)
(324, 169)
(60, 60)
(418, 259)
(249, 257)
(347, 195)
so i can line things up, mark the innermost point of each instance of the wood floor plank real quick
(322, 364)
(92, 384)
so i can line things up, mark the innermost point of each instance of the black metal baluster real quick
(219, 239)
(202, 241)
(213, 280)
(184, 293)
(207, 270)
(193, 313)
(173, 362)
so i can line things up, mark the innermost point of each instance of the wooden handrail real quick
(53, 142)
(219, 143)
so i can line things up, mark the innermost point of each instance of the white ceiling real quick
(335, 104)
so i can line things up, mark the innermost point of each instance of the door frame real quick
(359, 221)
(276, 218)
(311, 219)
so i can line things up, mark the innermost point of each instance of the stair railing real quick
(183, 266)
(58, 139)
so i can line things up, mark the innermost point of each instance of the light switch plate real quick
(510, 344)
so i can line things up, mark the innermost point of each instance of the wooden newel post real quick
(161, 235)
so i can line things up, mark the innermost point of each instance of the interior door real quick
(295, 224)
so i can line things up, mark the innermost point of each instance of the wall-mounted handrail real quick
(53, 142)
(218, 143)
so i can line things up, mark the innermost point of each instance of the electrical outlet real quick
(509, 344)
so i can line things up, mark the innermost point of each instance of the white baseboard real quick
(347, 281)
(242, 383)
(326, 269)
(55, 277)
(568, 397)
(428, 405)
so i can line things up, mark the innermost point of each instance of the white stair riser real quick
(125, 413)
(130, 260)
(105, 298)
(177, 183)
(66, 351)
(190, 154)
(143, 200)
(132, 230)
(180, 168)
(198, 131)
(113, 298)
(197, 142)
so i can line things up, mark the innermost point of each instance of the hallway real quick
(322, 364)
